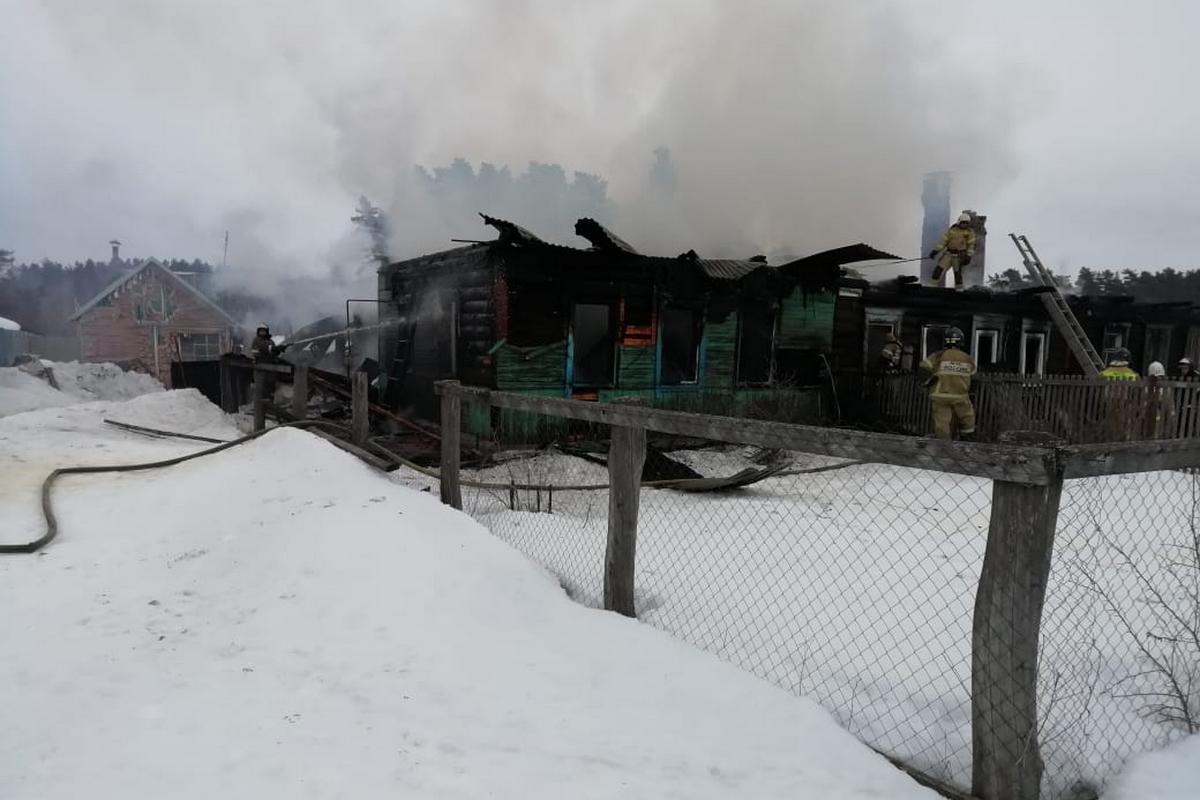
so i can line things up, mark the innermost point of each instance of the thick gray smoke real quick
(790, 126)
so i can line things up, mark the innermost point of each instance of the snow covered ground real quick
(278, 620)
(77, 382)
(856, 588)
(1171, 774)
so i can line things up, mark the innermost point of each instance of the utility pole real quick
(225, 254)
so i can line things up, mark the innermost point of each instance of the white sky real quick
(794, 125)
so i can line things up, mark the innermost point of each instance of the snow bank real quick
(278, 620)
(8, 325)
(78, 382)
(1171, 774)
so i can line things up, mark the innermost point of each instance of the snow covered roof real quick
(8, 325)
(125, 278)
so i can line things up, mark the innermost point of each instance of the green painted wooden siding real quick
(806, 321)
(636, 368)
(525, 370)
(720, 353)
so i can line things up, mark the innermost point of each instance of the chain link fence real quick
(854, 584)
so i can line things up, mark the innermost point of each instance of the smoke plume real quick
(784, 127)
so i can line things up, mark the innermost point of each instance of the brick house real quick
(156, 321)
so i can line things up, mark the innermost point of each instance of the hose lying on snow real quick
(48, 512)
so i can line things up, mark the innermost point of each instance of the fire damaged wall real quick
(519, 314)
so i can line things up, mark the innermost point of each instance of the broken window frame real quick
(1108, 344)
(697, 326)
(612, 336)
(740, 360)
(986, 333)
(1040, 367)
(925, 331)
(1162, 352)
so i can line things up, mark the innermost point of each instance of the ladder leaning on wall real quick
(1059, 310)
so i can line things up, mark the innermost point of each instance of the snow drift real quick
(77, 382)
(279, 620)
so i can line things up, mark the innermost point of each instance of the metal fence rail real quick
(1006, 619)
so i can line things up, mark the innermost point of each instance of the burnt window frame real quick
(978, 336)
(1166, 332)
(1023, 365)
(698, 332)
(614, 326)
(773, 310)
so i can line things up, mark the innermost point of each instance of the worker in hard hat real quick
(1123, 412)
(954, 251)
(1117, 367)
(263, 347)
(950, 371)
(889, 357)
(1185, 370)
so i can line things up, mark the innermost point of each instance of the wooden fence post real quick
(626, 455)
(1006, 761)
(451, 443)
(359, 420)
(260, 400)
(300, 391)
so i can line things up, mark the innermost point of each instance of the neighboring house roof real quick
(123, 279)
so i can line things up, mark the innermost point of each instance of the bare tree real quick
(1166, 635)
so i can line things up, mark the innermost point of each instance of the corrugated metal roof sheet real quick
(601, 237)
(511, 232)
(849, 254)
(726, 269)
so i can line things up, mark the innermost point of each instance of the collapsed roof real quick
(824, 264)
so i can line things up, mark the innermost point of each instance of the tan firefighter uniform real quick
(954, 252)
(950, 390)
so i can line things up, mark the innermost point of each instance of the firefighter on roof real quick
(954, 251)
(950, 386)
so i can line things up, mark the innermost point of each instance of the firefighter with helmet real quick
(954, 251)
(263, 347)
(1118, 368)
(890, 356)
(950, 371)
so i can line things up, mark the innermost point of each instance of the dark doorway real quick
(756, 340)
(680, 331)
(202, 375)
(593, 332)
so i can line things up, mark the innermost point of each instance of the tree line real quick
(1164, 286)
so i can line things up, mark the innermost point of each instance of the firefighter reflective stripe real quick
(958, 240)
(1115, 373)
(952, 370)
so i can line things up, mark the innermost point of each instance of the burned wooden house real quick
(521, 314)
(1007, 332)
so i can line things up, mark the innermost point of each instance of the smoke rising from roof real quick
(791, 127)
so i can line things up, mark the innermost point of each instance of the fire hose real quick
(48, 483)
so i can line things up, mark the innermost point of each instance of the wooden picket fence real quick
(1075, 408)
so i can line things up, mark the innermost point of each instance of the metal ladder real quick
(1056, 305)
